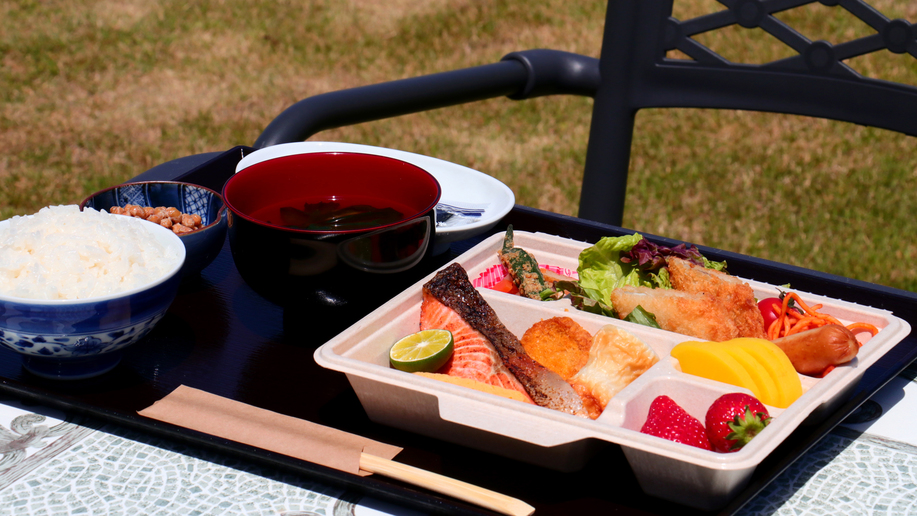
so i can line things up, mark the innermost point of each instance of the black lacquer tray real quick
(221, 337)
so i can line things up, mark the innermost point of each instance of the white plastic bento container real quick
(680, 473)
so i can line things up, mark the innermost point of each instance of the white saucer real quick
(481, 199)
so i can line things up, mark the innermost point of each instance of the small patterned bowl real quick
(201, 245)
(66, 339)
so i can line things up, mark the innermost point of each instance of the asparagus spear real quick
(523, 269)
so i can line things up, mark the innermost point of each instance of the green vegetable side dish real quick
(524, 269)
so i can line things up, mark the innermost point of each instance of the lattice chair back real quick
(651, 59)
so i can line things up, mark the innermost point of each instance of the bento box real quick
(684, 474)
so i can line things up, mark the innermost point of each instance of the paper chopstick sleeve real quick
(222, 417)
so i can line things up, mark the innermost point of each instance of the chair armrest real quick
(518, 75)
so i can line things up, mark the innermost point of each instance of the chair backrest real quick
(637, 72)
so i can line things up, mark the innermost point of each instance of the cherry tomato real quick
(769, 308)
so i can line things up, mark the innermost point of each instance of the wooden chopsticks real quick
(448, 486)
(222, 417)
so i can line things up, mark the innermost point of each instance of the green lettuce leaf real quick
(640, 316)
(710, 264)
(581, 301)
(600, 269)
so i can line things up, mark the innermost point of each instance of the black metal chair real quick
(636, 72)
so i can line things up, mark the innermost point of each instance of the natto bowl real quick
(201, 245)
(64, 339)
(317, 264)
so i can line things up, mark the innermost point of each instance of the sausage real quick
(812, 351)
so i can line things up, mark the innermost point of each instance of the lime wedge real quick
(426, 351)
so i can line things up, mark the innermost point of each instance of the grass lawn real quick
(95, 92)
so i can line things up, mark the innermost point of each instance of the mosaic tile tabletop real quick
(867, 466)
(53, 464)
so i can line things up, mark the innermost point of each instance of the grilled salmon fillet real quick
(474, 357)
(453, 289)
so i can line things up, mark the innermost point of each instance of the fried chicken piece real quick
(733, 293)
(559, 343)
(616, 358)
(698, 315)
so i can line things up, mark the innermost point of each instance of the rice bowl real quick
(73, 295)
(64, 253)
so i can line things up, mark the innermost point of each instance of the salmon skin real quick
(546, 388)
(474, 357)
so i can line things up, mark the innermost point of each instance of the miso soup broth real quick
(327, 214)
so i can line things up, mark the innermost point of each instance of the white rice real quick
(64, 253)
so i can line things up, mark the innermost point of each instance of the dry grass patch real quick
(385, 17)
(122, 14)
(96, 92)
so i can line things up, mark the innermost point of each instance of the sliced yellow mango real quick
(777, 364)
(710, 360)
(766, 390)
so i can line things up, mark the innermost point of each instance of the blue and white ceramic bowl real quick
(74, 339)
(202, 245)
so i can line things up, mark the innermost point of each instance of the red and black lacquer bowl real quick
(328, 228)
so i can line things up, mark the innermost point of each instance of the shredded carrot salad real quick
(803, 317)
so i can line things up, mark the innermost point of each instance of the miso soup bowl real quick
(306, 258)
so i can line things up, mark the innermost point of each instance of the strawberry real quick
(669, 421)
(733, 420)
